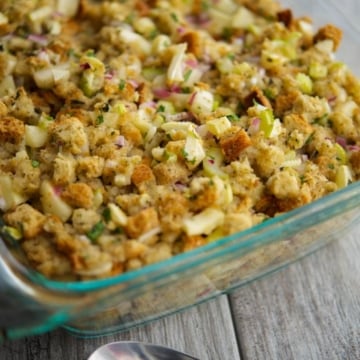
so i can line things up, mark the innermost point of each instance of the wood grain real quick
(205, 331)
(310, 310)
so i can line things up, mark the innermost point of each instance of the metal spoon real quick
(133, 350)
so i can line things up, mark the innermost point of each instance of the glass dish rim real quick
(237, 241)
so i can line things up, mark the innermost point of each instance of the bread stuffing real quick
(133, 131)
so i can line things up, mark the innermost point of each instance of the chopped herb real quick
(153, 34)
(186, 90)
(106, 214)
(160, 108)
(130, 18)
(90, 53)
(118, 230)
(35, 163)
(122, 84)
(187, 75)
(205, 5)
(96, 231)
(227, 33)
(269, 94)
(174, 17)
(322, 120)
(331, 166)
(233, 117)
(231, 56)
(99, 119)
(310, 138)
(184, 153)
(105, 107)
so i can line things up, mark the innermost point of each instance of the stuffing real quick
(284, 184)
(69, 133)
(84, 219)
(285, 16)
(64, 169)
(234, 142)
(27, 219)
(142, 222)
(78, 195)
(329, 32)
(136, 130)
(170, 172)
(12, 130)
(90, 166)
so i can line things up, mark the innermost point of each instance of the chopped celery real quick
(212, 162)
(267, 121)
(13, 232)
(317, 70)
(304, 83)
(215, 235)
(205, 222)
(175, 70)
(341, 154)
(193, 151)
(343, 176)
(93, 76)
(218, 126)
(150, 73)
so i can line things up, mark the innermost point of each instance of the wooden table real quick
(309, 310)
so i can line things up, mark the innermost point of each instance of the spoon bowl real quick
(134, 350)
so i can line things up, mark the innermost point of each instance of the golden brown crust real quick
(195, 43)
(285, 16)
(329, 32)
(27, 219)
(78, 195)
(257, 96)
(11, 130)
(234, 142)
(142, 173)
(142, 222)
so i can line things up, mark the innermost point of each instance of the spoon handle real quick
(132, 350)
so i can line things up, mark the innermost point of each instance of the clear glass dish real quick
(30, 303)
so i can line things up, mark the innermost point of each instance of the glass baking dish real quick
(31, 304)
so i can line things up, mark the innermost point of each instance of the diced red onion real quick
(180, 29)
(331, 99)
(179, 116)
(180, 186)
(192, 98)
(109, 75)
(38, 39)
(133, 83)
(120, 141)
(148, 104)
(341, 141)
(162, 93)
(191, 62)
(57, 190)
(85, 66)
(44, 56)
(57, 14)
(175, 88)
(353, 147)
(304, 157)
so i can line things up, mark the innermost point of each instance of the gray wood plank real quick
(205, 331)
(310, 310)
